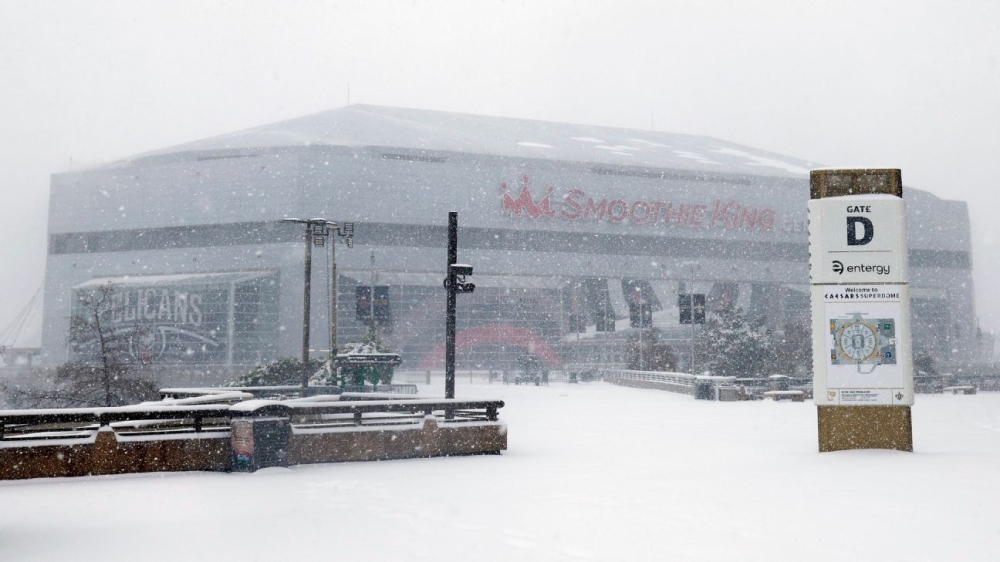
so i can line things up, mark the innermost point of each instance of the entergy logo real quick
(838, 267)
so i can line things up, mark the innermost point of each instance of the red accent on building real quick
(575, 204)
(494, 333)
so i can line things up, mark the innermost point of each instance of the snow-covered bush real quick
(282, 372)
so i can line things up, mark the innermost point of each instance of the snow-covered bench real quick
(960, 389)
(793, 395)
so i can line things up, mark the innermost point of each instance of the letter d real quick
(852, 239)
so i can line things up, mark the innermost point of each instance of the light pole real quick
(450, 306)
(345, 231)
(691, 267)
(605, 300)
(454, 283)
(637, 297)
(316, 232)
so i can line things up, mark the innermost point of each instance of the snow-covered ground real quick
(594, 472)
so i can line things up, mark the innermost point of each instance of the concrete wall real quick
(430, 439)
(110, 454)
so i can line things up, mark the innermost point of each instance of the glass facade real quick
(187, 320)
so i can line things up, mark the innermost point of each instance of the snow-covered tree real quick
(103, 370)
(735, 345)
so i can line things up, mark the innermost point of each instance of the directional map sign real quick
(860, 301)
(864, 331)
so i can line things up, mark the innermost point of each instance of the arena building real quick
(567, 226)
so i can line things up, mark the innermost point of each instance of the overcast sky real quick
(914, 85)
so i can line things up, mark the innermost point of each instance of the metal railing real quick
(679, 379)
(383, 388)
(146, 419)
(280, 392)
(374, 412)
(140, 420)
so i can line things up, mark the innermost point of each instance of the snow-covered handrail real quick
(463, 409)
(178, 393)
(285, 390)
(107, 416)
(682, 379)
(301, 412)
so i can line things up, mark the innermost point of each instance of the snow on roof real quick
(177, 279)
(417, 129)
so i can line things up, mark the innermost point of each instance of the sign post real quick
(862, 357)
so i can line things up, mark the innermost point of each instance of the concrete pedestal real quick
(864, 427)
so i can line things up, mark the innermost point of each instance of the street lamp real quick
(454, 283)
(317, 230)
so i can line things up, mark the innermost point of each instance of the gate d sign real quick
(858, 239)
(852, 231)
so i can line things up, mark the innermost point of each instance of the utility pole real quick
(333, 300)
(306, 297)
(345, 231)
(371, 303)
(306, 303)
(316, 233)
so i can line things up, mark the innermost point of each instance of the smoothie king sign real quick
(577, 205)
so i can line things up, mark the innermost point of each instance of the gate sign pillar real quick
(862, 358)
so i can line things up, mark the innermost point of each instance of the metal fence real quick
(308, 413)
(679, 379)
(132, 420)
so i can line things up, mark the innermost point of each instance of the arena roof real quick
(416, 129)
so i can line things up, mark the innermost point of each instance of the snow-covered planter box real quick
(85, 441)
(250, 435)
(371, 430)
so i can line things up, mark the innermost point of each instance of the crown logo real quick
(524, 203)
